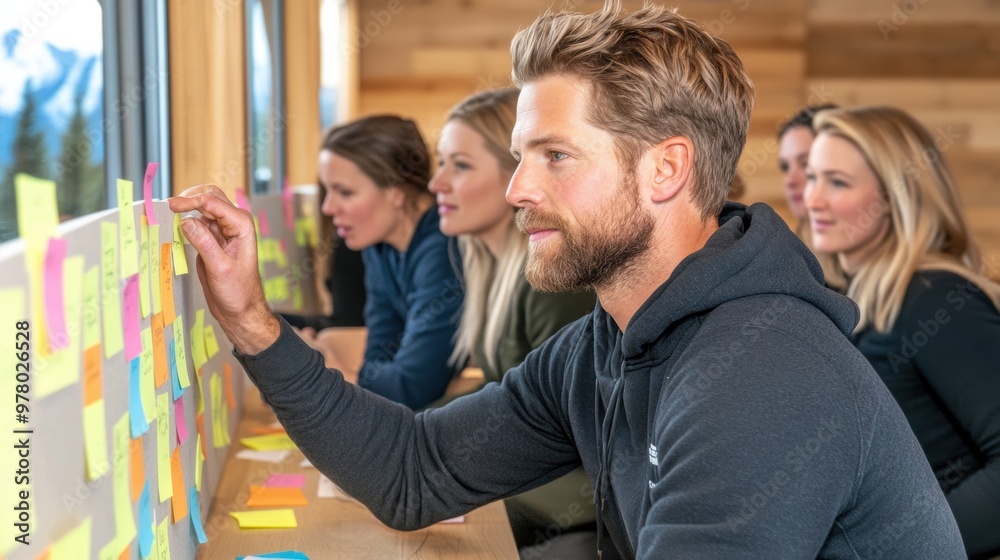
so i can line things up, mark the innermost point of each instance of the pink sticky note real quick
(182, 429)
(147, 192)
(133, 337)
(265, 226)
(286, 480)
(286, 201)
(55, 311)
(241, 200)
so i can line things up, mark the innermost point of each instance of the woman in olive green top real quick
(503, 318)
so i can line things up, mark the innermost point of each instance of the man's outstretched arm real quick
(410, 470)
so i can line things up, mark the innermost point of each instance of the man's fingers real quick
(202, 239)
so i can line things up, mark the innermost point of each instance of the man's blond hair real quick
(654, 75)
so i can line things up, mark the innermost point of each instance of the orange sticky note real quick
(178, 504)
(159, 351)
(227, 376)
(167, 284)
(138, 468)
(265, 430)
(265, 496)
(93, 388)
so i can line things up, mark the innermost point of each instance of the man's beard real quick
(592, 254)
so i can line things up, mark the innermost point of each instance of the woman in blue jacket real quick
(375, 172)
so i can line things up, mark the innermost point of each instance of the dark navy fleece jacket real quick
(412, 312)
(731, 419)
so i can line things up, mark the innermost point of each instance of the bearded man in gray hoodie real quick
(712, 395)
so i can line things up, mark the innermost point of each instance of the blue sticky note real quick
(135, 412)
(146, 538)
(195, 515)
(286, 555)
(175, 382)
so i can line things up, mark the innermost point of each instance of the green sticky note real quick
(211, 343)
(147, 375)
(177, 249)
(94, 441)
(198, 339)
(162, 541)
(129, 240)
(62, 367)
(37, 211)
(163, 446)
(180, 354)
(73, 545)
(265, 519)
(111, 303)
(12, 303)
(144, 306)
(91, 307)
(124, 522)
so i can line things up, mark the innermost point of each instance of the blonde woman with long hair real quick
(881, 198)
(503, 318)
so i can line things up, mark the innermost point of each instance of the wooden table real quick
(331, 528)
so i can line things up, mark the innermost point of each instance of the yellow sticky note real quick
(73, 545)
(126, 219)
(265, 519)
(198, 460)
(94, 440)
(163, 541)
(180, 353)
(147, 386)
(270, 442)
(211, 343)
(180, 258)
(144, 304)
(218, 435)
(154, 267)
(12, 303)
(124, 522)
(91, 307)
(266, 496)
(111, 302)
(37, 212)
(298, 301)
(110, 551)
(198, 339)
(163, 446)
(37, 217)
(62, 367)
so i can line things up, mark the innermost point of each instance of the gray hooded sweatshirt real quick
(731, 419)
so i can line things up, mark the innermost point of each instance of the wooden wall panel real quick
(302, 83)
(937, 60)
(207, 99)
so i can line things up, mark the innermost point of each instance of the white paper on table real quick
(276, 456)
(459, 519)
(305, 464)
(326, 488)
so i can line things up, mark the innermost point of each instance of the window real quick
(52, 104)
(82, 103)
(265, 91)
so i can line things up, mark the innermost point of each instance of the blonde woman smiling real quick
(880, 197)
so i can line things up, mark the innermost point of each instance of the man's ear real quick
(674, 160)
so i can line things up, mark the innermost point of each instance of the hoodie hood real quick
(752, 253)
